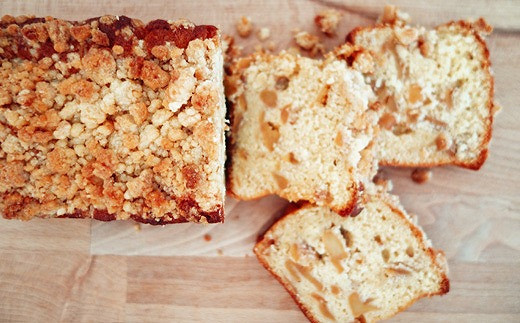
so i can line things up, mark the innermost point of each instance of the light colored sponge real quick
(345, 269)
(436, 87)
(301, 129)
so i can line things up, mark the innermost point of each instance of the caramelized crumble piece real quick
(310, 43)
(328, 21)
(244, 26)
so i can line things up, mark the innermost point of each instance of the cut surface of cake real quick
(353, 269)
(111, 118)
(300, 128)
(436, 87)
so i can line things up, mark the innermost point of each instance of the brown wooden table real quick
(82, 270)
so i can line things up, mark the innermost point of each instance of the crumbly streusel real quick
(309, 42)
(112, 119)
(328, 20)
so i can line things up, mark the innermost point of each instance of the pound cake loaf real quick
(436, 87)
(301, 129)
(353, 269)
(111, 118)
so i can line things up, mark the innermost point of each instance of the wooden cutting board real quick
(82, 270)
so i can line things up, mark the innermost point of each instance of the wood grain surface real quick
(87, 271)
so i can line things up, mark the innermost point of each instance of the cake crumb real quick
(275, 81)
(381, 178)
(391, 15)
(220, 252)
(309, 42)
(293, 50)
(328, 21)
(207, 237)
(264, 33)
(137, 227)
(271, 46)
(244, 26)
(413, 217)
(421, 175)
(258, 48)
(306, 40)
(497, 108)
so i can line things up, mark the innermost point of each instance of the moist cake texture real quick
(111, 118)
(353, 269)
(301, 129)
(436, 87)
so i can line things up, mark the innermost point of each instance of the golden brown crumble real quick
(393, 16)
(112, 119)
(309, 42)
(264, 33)
(244, 26)
(328, 21)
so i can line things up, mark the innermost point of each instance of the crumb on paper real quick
(207, 237)
(264, 33)
(328, 21)
(220, 252)
(137, 227)
(244, 26)
(309, 42)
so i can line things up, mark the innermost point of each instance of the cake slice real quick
(300, 128)
(353, 269)
(436, 87)
(111, 118)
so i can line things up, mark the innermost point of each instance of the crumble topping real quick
(112, 119)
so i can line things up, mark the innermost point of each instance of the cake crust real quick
(111, 118)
